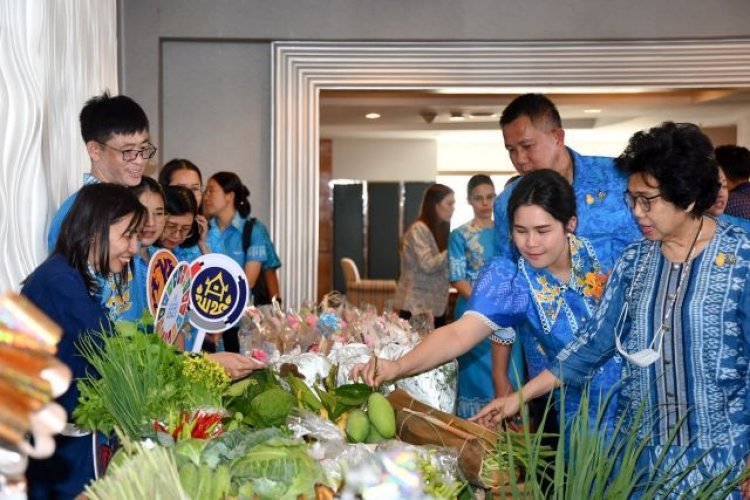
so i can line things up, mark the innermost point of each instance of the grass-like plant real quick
(589, 463)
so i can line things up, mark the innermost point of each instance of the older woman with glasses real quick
(677, 309)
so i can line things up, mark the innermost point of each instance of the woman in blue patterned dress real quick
(546, 294)
(470, 246)
(677, 308)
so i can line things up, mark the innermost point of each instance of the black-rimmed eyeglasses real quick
(642, 201)
(132, 154)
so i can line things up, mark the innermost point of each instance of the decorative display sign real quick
(219, 292)
(160, 267)
(173, 306)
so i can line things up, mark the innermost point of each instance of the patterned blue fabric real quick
(603, 216)
(737, 221)
(469, 247)
(59, 217)
(703, 372)
(738, 203)
(139, 288)
(547, 314)
(272, 258)
(229, 241)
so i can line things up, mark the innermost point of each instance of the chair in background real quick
(360, 292)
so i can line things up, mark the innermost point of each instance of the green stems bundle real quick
(589, 463)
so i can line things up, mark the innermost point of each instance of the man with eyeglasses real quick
(115, 131)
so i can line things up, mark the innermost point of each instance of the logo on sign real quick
(214, 292)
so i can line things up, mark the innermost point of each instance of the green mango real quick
(381, 415)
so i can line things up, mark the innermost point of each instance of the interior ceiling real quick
(426, 114)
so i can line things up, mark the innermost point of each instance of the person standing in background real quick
(184, 173)
(735, 163)
(423, 283)
(470, 246)
(228, 207)
(151, 196)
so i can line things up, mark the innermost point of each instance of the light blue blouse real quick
(229, 241)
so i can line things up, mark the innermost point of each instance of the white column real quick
(743, 131)
(54, 55)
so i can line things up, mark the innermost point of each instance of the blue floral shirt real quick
(603, 216)
(469, 247)
(546, 313)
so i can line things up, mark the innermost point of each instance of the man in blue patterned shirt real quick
(534, 138)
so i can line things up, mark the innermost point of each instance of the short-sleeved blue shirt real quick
(546, 313)
(229, 242)
(603, 216)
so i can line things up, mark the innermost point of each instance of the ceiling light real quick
(592, 111)
(457, 116)
(372, 116)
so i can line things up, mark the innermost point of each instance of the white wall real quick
(146, 24)
(385, 159)
(217, 111)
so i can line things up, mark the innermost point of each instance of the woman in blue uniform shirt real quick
(546, 294)
(227, 205)
(99, 237)
(470, 247)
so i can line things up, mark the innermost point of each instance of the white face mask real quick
(645, 357)
(649, 356)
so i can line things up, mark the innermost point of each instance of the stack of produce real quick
(314, 339)
(223, 440)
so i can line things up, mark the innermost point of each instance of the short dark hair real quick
(681, 159)
(734, 161)
(179, 200)
(104, 116)
(538, 107)
(165, 174)
(547, 189)
(478, 180)
(96, 208)
(150, 185)
(231, 183)
(427, 214)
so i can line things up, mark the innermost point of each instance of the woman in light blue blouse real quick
(547, 294)
(677, 308)
(470, 246)
(228, 208)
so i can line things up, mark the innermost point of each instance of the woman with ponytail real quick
(227, 206)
